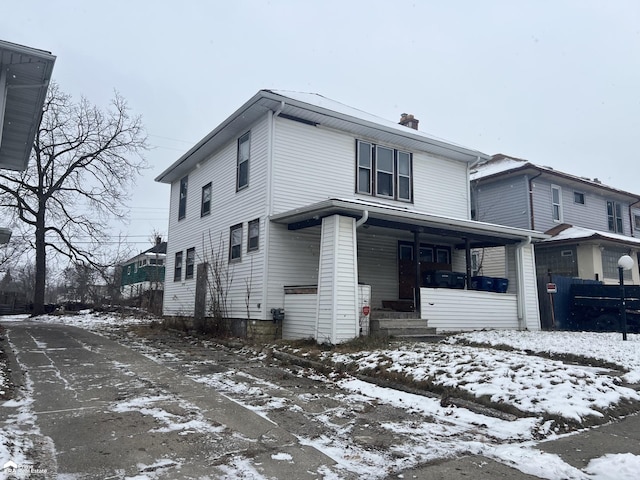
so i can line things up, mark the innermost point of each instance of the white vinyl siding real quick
(453, 310)
(300, 316)
(285, 245)
(338, 318)
(312, 164)
(211, 232)
(440, 186)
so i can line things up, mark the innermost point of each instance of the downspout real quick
(531, 214)
(268, 212)
(469, 168)
(520, 279)
(631, 219)
(363, 219)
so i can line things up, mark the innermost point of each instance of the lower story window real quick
(235, 243)
(191, 260)
(177, 268)
(254, 235)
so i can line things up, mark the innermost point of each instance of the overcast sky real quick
(555, 82)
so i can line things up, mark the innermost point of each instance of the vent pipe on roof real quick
(408, 120)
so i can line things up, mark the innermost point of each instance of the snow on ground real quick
(606, 347)
(529, 382)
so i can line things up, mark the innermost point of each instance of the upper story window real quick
(242, 169)
(636, 219)
(235, 243)
(254, 235)
(205, 205)
(578, 197)
(556, 203)
(191, 260)
(177, 267)
(614, 217)
(182, 205)
(384, 172)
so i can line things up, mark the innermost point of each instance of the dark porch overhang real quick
(478, 234)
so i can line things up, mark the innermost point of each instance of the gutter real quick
(631, 219)
(470, 167)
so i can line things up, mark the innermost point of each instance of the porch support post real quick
(418, 273)
(467, 255)
(337, 304)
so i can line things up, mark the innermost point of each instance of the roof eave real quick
(199, 152)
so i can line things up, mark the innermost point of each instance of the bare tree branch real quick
(84, 161)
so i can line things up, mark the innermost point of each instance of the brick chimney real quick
(408, 120)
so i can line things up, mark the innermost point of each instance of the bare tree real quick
(84, 160)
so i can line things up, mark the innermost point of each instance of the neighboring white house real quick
(313, 205)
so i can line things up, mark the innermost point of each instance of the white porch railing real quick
(454, 309)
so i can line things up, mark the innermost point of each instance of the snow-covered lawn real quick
(528, 383)
(603, 347)
(530, 374)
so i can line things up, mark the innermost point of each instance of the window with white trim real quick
(242, 170)
(182, 205)
(205, 204)
(384, 172)
(253, 242)
(177, 267)
(191, 260)
(614, 217)
(556, 203)
(235, 243)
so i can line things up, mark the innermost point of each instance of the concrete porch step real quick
(393, 315)
(402, 328)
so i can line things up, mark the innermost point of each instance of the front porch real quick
(401, 256)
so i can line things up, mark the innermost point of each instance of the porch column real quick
(418, 270)
(526, 286)
(467, 256)
(337, 307)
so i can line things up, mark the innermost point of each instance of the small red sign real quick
(366, 310)
(552, 288)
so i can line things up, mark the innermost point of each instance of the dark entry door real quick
(406, 271)
(432, 257)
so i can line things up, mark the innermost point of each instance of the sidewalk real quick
(577, 450)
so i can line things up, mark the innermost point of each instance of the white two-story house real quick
(331, 214)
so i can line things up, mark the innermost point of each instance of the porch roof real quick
(568, 234)
(480, 234)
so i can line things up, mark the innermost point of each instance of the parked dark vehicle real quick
(597, 308)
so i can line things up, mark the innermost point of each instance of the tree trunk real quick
(41, 265)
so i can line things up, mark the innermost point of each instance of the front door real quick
(406, 271)
(432, 257)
